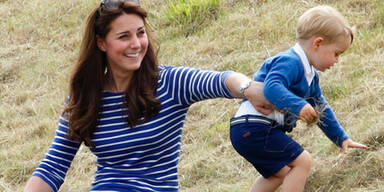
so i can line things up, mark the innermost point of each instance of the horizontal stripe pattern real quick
(145, 157)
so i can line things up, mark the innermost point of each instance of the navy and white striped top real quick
(143, 158)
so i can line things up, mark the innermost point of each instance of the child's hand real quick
(348, 143)
(308, 113)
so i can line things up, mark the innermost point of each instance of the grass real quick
(39, 45)
(190, 16)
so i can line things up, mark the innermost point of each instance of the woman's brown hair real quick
(91, 72)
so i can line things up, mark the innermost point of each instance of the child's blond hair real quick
(323, 21)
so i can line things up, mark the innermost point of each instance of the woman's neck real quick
(116, 84)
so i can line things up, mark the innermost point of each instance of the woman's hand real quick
(255, 95)
(254, 92)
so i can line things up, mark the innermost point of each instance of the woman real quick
(128, 109)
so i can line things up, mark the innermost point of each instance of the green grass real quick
(39, 46)
(190, 16)
(379, 14)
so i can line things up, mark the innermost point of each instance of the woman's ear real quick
(317, 42)
(100, 43)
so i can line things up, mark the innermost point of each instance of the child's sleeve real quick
(282, 74)
(328, 122)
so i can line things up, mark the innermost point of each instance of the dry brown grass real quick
(39, 43)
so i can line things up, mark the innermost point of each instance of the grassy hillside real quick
(39, 44)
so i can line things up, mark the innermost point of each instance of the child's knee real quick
(282, 173)
(304, 160)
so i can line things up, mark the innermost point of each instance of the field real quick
(39, 45)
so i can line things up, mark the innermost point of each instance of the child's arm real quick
(333, 130)
(281, 73)
(328, 122)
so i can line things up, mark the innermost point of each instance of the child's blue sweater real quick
(286, 87)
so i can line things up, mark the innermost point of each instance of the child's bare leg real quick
(297, 176)
(262, 184)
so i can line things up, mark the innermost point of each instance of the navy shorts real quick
(263, 143)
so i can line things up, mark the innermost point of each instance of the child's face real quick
(325, 55)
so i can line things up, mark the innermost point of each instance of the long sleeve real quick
(191, 85)
(281, 76)
(328, 121)
(58, 159)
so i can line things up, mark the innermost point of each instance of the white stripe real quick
(63, 126)
(113, 117)
(210, 86)
(153, 161)
(59, 170)
(137, 146)
(204, 80)
(163, 84)
(184, 95)
(62, 152)
(112, 104)
(66, 140)
(108, 125)
(112, 97)
(133, 133)
(53, 174)
(66, 146)
(161, 171)
(145, 124)
(101, 191)
(115, 110)
(62, 118)
(191, 88)
(138, 169)
(138, 158)
(170, 175)
(133, 140)
(133, 180)
(56, 157)
(53, 162)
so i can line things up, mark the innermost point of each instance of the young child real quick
(291, 84)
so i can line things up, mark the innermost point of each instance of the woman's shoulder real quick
(165, 68)
(170, 69)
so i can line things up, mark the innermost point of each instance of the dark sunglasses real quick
(115, 3)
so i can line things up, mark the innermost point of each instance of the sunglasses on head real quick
(115, 3)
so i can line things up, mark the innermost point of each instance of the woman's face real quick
(125, 44)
